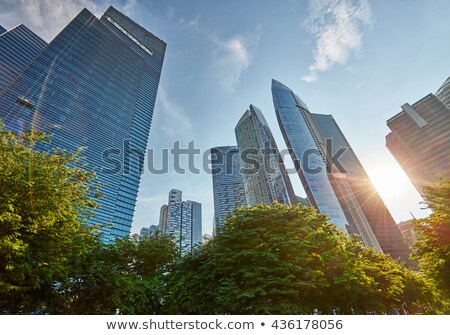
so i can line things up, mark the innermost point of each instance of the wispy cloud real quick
(129, 7)
(171, 117)
(232, 58)
(337, 26)
(48, 17)
(190, 23)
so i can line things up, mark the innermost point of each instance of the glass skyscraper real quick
(149, 231)
(263, 172)
(228, 188)
(334, 179)
(18, 47)
(182, 220)
(93, 85)
(420, 138)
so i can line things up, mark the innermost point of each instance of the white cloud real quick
(337, 26)
(309, 78)
(190, 23)
(129, 7)
(232, 59)
(172, 119)
(231, 56)
(48, 17)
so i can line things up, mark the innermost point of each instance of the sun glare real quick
(389, 181)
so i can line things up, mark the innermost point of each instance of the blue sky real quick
(358, 60)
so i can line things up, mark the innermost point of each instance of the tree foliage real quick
(288, 260)
(50, 260)
(266, 260)
(433, 236)
(45, 199)
(124, 277)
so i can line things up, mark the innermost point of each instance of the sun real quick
(390, 181)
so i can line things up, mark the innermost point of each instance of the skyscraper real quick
(163, 218)
(228, 189)
(150, 231)
(443, 93)
(182, 220)
(263, 173)
(420, 138)
(333, 178)
(93, 85)
(18, 47)
(173, 223)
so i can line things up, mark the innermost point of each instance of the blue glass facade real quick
(148, 232)
(196, 224)
(366, 213)
(18, 47)
(266, 181)
(94, 85)
(340, 187)
(295, 123)
(228, 188)
(191, 225)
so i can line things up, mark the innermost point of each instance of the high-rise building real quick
(191, 225)
(263, 172)
(173, 224)
(18, 47)
(443, 92)
(332, 176)
(420, 138)
(93, 85)
(163, 218)
(150, 231)
(182, 220)
(228, 189)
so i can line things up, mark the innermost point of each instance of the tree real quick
(283, 259)
(432, 248)
(46, 198)
(124, 277)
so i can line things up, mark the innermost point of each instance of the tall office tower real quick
(263, 173)
(18, 47)
(163, 215)
(173, 223)
(443, 92)
(191, 226)
(346, 194)
(93, 85)
(150, 231)
(228, 189)
(420, 138)
(182, 220)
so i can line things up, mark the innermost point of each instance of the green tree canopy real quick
(432, 248)
(45, 199)
(283, 259)
(124, 277)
